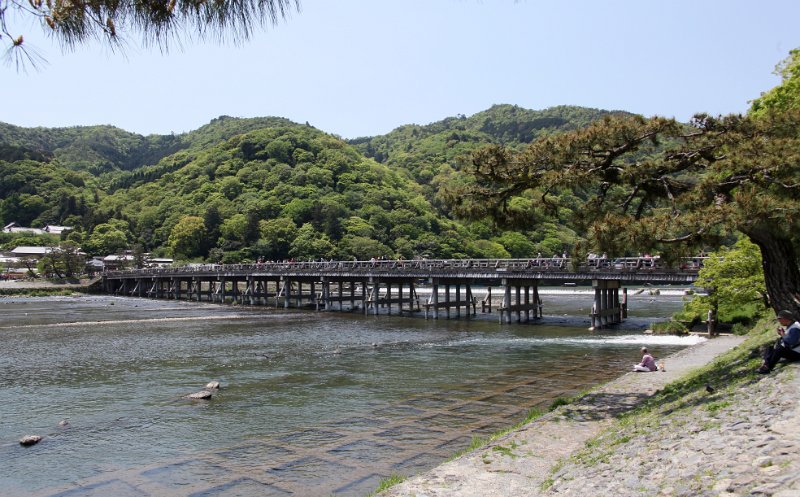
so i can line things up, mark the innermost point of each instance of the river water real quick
(311, 403)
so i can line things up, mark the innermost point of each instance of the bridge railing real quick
(538, 264)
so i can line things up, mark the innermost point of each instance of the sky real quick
(364, 67)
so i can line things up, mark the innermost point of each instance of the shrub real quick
(669, 328)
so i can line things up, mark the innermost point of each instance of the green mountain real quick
(242, 188)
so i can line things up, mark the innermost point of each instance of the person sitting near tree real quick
(787, 346)
(648, 363)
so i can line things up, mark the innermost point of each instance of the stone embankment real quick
(722, 440)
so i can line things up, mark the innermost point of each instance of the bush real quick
(669, 328)
(740, 329)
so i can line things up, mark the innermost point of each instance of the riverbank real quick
(648, 434)
(43, 288)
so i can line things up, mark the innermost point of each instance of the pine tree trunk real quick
(781, 273)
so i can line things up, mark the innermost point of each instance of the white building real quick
(56, 230)
(23, 251)
(50, 228)
(15, 228)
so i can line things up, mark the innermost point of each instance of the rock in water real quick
(212, 385)
(202, 394)
(29, 440)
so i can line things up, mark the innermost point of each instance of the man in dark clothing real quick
(787, 346)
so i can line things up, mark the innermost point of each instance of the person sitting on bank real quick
(648, 363)
(787, 346)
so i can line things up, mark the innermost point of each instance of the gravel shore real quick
(42, 284)
(724, 442)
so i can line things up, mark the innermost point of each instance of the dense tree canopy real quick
(785, 96)
(656, 184)
(253, 183)
(734, 279)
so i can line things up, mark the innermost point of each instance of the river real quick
(311, 403)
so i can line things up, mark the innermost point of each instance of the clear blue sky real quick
(364, 67)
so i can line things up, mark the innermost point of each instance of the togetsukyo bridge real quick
(392, 285)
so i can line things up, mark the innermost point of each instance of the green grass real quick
(387, 483)
(507, 451)
(560, 401)
(716, 406)
(733, 369)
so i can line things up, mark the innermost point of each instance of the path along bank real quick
(719, 430)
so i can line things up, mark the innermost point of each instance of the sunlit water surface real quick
(118, 370)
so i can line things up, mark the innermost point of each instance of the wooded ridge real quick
(243, 188)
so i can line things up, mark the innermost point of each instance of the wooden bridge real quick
(394, 285)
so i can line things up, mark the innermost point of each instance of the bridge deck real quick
(637, 269)
(378, 279)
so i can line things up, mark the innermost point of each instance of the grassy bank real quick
(709, 388)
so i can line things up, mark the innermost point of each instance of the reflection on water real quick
(312, 403)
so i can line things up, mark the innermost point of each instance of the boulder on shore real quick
(29, 440)
(202, 394)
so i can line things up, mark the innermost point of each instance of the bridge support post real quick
(447, 299)
(624, 306)
(326, 294)
(538, 312)
(237, 293)
(365, 296)
(376, 295)
(486, 303)
(400, 298)
(251, 289)
(505, 307)
(606, 309)
(434, 300)
(458, 301)
(527, 303)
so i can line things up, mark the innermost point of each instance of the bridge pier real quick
(608, 309)
(518, 305)
(374, 298)
(435, 304)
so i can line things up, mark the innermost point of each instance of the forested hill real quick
(242, 188)
(505, 124)
(422, 150)
(101, 149)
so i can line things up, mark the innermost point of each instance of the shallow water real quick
(312, 403)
